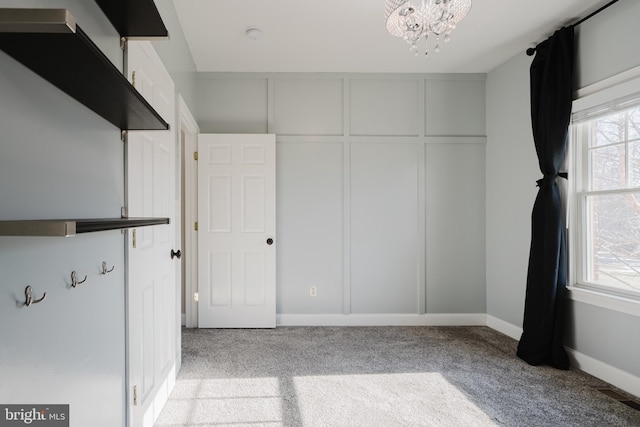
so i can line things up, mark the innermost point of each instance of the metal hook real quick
(28, 293)
(74, 279)
(104, 268)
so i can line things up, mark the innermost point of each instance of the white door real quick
(236, 231)
(152, 290)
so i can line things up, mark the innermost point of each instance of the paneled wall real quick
(380, 187)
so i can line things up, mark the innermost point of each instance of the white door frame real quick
(189, 209)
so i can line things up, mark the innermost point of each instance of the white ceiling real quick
(350, 36)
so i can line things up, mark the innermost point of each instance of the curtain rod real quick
(532, 50)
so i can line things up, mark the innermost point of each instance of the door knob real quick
(269, 241)
(175, 254)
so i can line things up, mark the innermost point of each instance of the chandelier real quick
(433, 17)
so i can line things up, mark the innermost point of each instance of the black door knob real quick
(175, 254)
(269, 241)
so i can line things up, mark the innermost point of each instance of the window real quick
(606, 231)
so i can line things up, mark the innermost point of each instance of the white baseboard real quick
(462, 319)
(610, 374)
(506, 328)
(614, 376)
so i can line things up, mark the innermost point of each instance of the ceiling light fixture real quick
(433, 17)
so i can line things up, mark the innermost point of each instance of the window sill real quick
(601, 299)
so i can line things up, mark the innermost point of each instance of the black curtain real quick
(544, 311)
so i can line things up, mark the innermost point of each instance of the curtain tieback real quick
(549, 179)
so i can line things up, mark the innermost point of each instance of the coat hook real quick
(104, 268)
(74, 279)
(28, 293)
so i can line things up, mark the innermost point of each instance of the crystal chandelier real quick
(433, 17)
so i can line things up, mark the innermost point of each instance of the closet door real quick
(152, 288)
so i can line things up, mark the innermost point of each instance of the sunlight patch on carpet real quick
(426, 399)
(224, 401)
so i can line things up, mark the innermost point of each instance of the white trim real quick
(301, 139)
(503, 327)
(421, 260)
(386, 139)
(456, 139)
(614, 376)
(221, 75)
(189, 124)
(623, 77)
(603, 93)
(346, 197)
(605, 300)
(462, 319)
(184, 113)
(608, 90)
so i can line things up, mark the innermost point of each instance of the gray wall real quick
(380, 186)
(607, 46)
(608, 43)
(512, 171)
(60, 160)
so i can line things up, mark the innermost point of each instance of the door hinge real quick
(196, 297)
(195, 155)
(195, 226)
(123, 43)
(123, 136)
(133, 78)
(133, 238)
(135, 395)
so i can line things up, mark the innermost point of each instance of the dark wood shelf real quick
(72, 227)
(135, 18)
(61, 53)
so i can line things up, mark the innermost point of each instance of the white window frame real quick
(601, 93)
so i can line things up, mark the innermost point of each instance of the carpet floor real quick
(377, 376)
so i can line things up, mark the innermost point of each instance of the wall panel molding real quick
(452, 319)
(311, 114)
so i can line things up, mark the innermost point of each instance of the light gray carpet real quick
(377, 376)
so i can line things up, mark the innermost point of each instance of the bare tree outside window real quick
(611, 202)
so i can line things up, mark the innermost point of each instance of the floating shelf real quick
(135, 18)
(49, 42)
(71, 227)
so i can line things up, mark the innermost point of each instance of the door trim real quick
(190, 210)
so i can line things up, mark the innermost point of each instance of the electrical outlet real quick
(313, 291)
